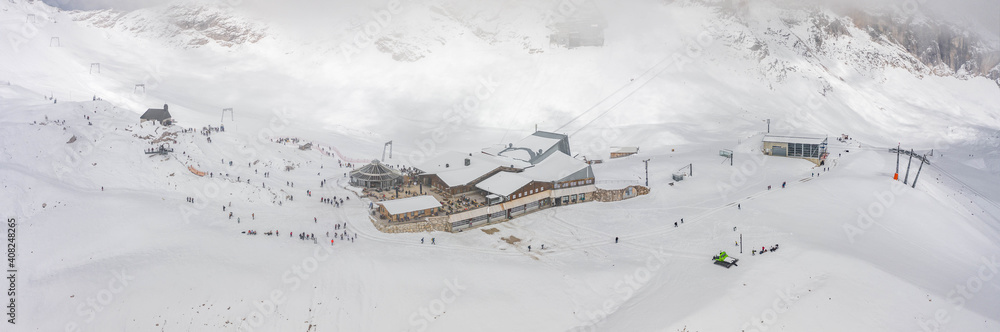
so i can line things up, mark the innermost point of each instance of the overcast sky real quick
(985, 13)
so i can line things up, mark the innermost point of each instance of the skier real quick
(783, 185)
(432, 241)
(421, 240)
(616, 239)
(529, 248)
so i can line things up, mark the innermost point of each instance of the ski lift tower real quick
(140, 85)
(230, 110)
(388, 145)
(95, 64)
(679, 175)
(728, 154)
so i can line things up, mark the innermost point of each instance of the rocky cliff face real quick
(942, 48)
(187, 25)
(865, 42)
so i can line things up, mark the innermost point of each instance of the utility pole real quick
(908, 167)
(768, 126)
(647, 171)
(741, 243)
(918, 171)
(896, 175)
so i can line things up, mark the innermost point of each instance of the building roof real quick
(803, 139)
(376, 171)
(537, 143)
(624, 149)
(450, 166)
(156, 114)
(556, 167)
(543, 156)
(410, 204)
(532, 149)
(503, 183)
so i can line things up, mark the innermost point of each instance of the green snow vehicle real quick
(725, 260)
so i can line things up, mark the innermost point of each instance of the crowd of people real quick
(284, 140)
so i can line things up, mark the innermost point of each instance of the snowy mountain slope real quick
(892, 275)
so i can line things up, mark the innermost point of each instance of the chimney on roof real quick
(164, 107)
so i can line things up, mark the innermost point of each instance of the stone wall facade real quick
(443, 224)
(431, 224)
(602, 195)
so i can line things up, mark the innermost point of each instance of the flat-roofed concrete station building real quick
(808, 147)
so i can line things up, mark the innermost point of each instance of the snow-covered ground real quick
(107, 241)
